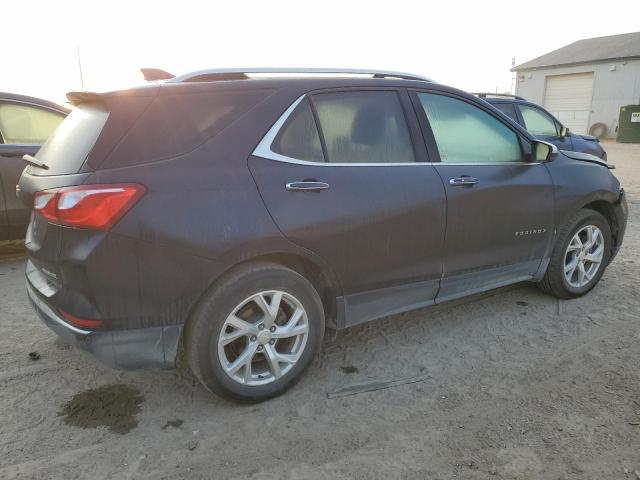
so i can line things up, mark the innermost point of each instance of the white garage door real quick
(568, 97)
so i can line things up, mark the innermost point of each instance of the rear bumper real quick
(154, 347)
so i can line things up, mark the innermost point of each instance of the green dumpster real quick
(629, 124)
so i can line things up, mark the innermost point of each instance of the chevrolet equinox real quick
(236, 213)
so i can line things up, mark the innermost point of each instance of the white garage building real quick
(585, 83)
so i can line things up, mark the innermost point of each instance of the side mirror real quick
(543, 151)
(564, 131)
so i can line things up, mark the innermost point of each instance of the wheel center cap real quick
(264, 336)
(581, 256)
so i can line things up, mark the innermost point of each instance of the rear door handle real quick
(307, 186)
(461, 181)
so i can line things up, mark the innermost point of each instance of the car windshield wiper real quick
(34, 162)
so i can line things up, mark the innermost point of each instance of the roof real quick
(590, 50)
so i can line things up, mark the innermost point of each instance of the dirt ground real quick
(513, 385)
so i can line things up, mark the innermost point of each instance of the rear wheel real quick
(580, 256)
(255, 333)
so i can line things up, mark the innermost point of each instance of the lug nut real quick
(272, 329)
(261, 326)
(260, 348)
(253, 338)
(272, 341)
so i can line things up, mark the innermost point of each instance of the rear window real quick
(66, 150)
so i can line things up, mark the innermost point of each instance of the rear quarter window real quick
(176, 124)
(508, 109)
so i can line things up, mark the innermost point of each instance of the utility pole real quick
(80, 66)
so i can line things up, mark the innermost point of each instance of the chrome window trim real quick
(264, 147)
(263, 150)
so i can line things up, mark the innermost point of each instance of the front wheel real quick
(580, 256)
(255, 333)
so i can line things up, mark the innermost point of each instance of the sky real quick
(468, 45)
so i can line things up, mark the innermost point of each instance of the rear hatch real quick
(64, 159)
(114, 146)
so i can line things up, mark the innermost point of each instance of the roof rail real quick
(241, 73)
(489, 94)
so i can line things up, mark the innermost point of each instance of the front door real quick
(14, 215)
(499, 204)
(353, 191)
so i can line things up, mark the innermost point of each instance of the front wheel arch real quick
(607, 210)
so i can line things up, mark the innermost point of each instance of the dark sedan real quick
(544, 126)
(25, 124)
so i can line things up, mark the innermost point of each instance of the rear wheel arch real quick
(321, 280)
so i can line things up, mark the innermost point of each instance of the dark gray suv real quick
(235, 216)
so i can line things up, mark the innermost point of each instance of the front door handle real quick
(307, 186)
(462, 181)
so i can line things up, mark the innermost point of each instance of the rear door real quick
(499, 204)
(23, 128)
(343, 176)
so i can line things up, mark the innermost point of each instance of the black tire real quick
(554, 281)
(205, 325)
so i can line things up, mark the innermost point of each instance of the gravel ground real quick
(506, 386)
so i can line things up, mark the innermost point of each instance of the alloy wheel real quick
(584, 256)
(263, 338)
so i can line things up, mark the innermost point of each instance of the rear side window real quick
(508, 109)
(299, 137)
(22, 124)
(465, 133)
(364, 127)
(537, 122)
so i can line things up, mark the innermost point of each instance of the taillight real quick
(96, 207)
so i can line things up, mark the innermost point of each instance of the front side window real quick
(22, 124)
(364, 127)
(537, 122)
(299, 138)
(465, 133)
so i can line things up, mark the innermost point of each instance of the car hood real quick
(587, 157)
(589, 138)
